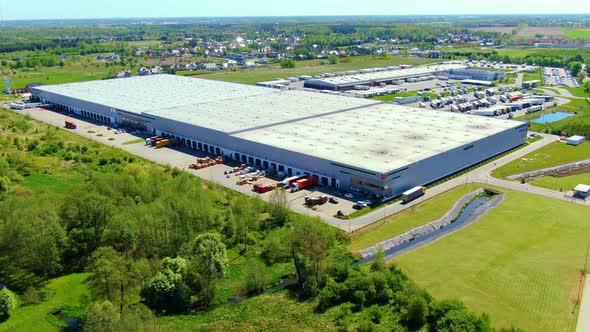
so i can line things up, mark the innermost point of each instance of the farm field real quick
(311, 67)
(554, 154)
(67, 290)
(577, 33)
(566, 182)
(408, 219)
(527, 32)
(520, 262)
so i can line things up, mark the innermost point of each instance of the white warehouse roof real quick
(393, 74)
(364, 133)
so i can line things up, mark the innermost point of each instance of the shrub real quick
(6, 302)
(256, 278)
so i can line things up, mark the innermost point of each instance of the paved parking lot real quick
(558, 76)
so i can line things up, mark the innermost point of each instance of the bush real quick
(32, 296)
(287, 63)
(256, 278)
(6, 302)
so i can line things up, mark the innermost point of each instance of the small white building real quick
(582, 191)
(576, 140)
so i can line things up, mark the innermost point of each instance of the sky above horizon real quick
(72, 9)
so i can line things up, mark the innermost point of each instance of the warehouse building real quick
(476, 74)
(347, 142)
(388, 76)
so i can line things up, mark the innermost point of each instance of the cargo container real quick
(412, 194)
(303, 183)
(264, 187)
(534, 109)
(70, 125)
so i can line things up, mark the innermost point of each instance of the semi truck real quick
(286, 183)
(70, 125)
(303, 183)
(412, 194)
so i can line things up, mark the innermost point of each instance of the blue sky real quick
(65, 9)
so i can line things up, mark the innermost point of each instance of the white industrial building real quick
(347, 142)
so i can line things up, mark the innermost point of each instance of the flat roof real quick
(138, 94)
(391, 74)
(366, 134)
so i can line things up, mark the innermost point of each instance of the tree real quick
(310, 242)
(210, 256)
(113, 278)
(575, 68)
(287, 63)
(86, 215)
(279, 210)
(101, 317)
(417, 312)
(581, 76)
(208, 263)
(167, 292)
(333, 59)
(463, 321)
(379, 265)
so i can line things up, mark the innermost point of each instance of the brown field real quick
(547, 32)
(527, 32)
(506, 30)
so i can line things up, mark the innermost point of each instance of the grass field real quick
(554, 154)
(269, 312)
(56, 75)
(311, 67)
(565, 182)
(537, 75)
(578, 92)
(520, 263)
(67, 290)
(577, 33)
(408, 219)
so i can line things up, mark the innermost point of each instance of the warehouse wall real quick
(442, 165)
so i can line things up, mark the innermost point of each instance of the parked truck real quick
(71, 125)
(303, 183)
(412, 194)
(286, 183)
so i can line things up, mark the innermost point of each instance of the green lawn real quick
(537, 75)
(61, 183)
(554, 154)
(408, 219)
(520, 263)
(311, 67)
(577, 33)
(578, 92)
(269, 312)
(67, 290)
(231, 285)
(566, 183)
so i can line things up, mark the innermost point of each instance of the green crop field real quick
(67, 290)
(554, 154)
(408, 219)
(566, 182)
(577, 33)
(520, 262)
(311, 67)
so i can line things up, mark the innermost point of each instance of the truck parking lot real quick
(224, 173)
